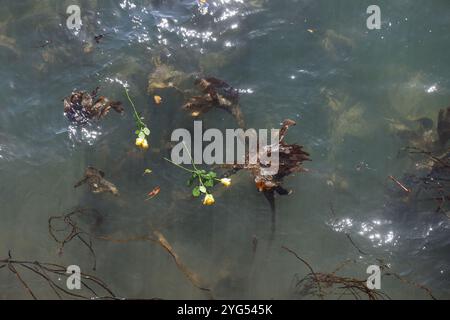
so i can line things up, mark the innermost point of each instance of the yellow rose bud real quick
(226, 182)
(208, 200)
(139, 141)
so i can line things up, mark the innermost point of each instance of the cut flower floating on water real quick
(202, 181)
(142, 143)
(142, 131)
(208, 200)
(226, 182)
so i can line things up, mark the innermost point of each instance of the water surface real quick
(311, 61)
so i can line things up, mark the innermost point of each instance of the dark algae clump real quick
(81, 106)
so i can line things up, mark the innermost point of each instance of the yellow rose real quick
(209, 200)
(139, 142)
(144, 144)
(226, 182)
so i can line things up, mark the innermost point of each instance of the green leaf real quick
(137, 131)
(196, 192)
(141, 135)
(212, 174)
(209, 183)
(202, 189)
(146, 131)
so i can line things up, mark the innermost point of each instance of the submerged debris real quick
(153, 193)
(291, 158)
(421, 133)
(443, 126)
(434, 186)
(81, 106)
(52, 274)
(95, 179)
(65, 228)
(332, 285)
(157, 99)
(216, 93)
(430, 181)
(399, 184)
(159, 239)
(99, 37)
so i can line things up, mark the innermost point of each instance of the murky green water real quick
(312, 61)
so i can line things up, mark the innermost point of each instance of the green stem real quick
(200, 180)
(179, 166)
(190, 156)
(136, 115)
(193, 165)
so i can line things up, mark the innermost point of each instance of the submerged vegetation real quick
(216, 93)
(331, 285)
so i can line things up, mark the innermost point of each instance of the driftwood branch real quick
(52, 273)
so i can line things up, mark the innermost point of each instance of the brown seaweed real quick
(215, 93)
(81, 106)
(291, 158)
(96, 181)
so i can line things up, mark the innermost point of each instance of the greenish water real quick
(311, 61)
